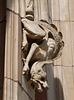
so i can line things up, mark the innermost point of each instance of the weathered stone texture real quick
(55, 9)
(10, 90)
(68, 93)
(64, 10)
(67, 51)
(13, 47)
(13, 80)
(68, 79)
(72, 40)
(71, 9)
(14, 91)
(61, 78)
(17, 6)
(64, 74)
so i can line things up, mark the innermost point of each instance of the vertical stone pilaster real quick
(13, 78)
(13, 66)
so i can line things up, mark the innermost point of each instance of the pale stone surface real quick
(49, 10)
(68, 78)
(64, 10)
(18, 6)
(40, 10)
(36, 11)
(13, 47)
(68, 93)
(73, 73)
(22, 8)
(7, 44)
(55, 9)
(71, 9)
(72, 40)
(17, 49)
(67, 51)
(13, 5)
(43, 10)
(10, 90)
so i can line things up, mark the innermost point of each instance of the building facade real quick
(60, 75)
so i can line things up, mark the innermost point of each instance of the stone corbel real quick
(41, 44)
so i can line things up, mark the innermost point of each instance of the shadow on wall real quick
(58, 89)
(2, 43)
(41, 95)
(55, 91)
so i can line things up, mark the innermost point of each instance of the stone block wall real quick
(62, 15)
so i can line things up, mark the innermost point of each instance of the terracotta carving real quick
(41, 44)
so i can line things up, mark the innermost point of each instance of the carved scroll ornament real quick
(42, 43)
